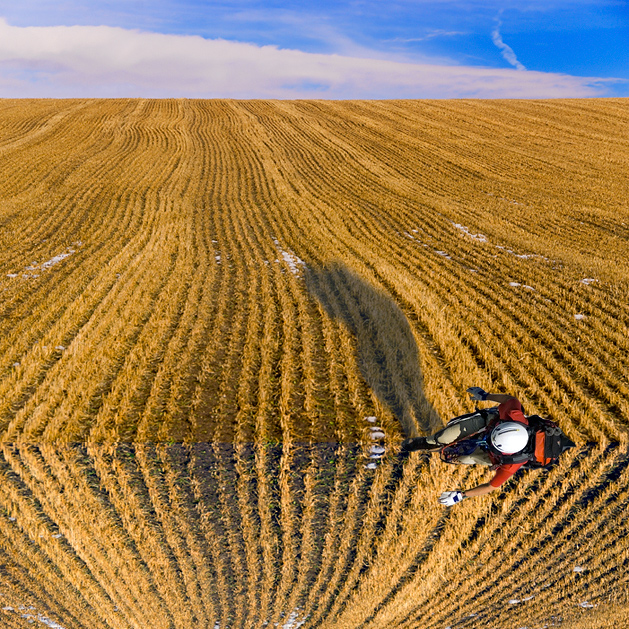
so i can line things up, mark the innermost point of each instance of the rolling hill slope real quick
(207, 308)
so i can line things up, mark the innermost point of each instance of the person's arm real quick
(449, 498)
(481, 490)
(499, 397)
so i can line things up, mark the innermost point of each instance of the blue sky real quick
(323, 49)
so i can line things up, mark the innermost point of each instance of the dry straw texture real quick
(202, 301)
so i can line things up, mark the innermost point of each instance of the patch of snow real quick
(218, 259)
(56, 259)
(444, 254)
(377, 450)
(586, 605)
(371, 466)
(31, 618)
(515, 284)
(588, 280)
(527, 287)
(376, 428)
(57, 535)
(293, 621)
(45, 266)
(579, 317)
(290, 258)
(371, 418)
(376, 434)
(465, 230)
(412, 237)
(60, 347)
(522, 256)
(578, 569)
(514, 601)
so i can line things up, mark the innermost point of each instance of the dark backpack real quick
(546, 443)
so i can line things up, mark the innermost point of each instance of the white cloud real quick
(103, 61)
(505, 50)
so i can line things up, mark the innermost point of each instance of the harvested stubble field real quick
(202, 302)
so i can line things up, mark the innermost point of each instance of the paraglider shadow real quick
(386, 352)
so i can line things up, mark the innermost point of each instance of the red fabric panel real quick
(512, 410)
(504, 472)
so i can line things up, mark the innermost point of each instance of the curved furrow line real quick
(468, 530)
(61, 300)
(169, 313)
(53, 213)
(289, 507)
(29, 558)
(316, 496)
(20, 117)
(342, 549)
(559, 574)
(54, 410)
(494, 567)
(205, 462)
(429, 158)
(164, 470)
(292, 400)
(83, 568)
(457, 157)
(226, 481)
(37, 133)
(121, 478)
(180, 373)
(165, 217)
(246, 489)
(124, 402)
(267, 458)
(69, 325)
(20, 565)
(225, 382)
(363, 554)
(402, 546)
(111, 560)
(373, 156)
(340, 475)
(164, 416)
(277, 229)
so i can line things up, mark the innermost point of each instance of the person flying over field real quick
(502, 437)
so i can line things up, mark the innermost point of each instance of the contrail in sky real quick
(505, 50)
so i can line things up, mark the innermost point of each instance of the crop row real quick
(193, 536)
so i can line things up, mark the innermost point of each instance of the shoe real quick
(417, 443)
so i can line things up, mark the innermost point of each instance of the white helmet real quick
(509, 437)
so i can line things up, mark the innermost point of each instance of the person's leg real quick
(457, 428)
(478, 457)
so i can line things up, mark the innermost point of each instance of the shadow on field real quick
(386, 349)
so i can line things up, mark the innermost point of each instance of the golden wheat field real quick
(219, 319)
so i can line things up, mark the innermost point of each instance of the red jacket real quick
(508, 411)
